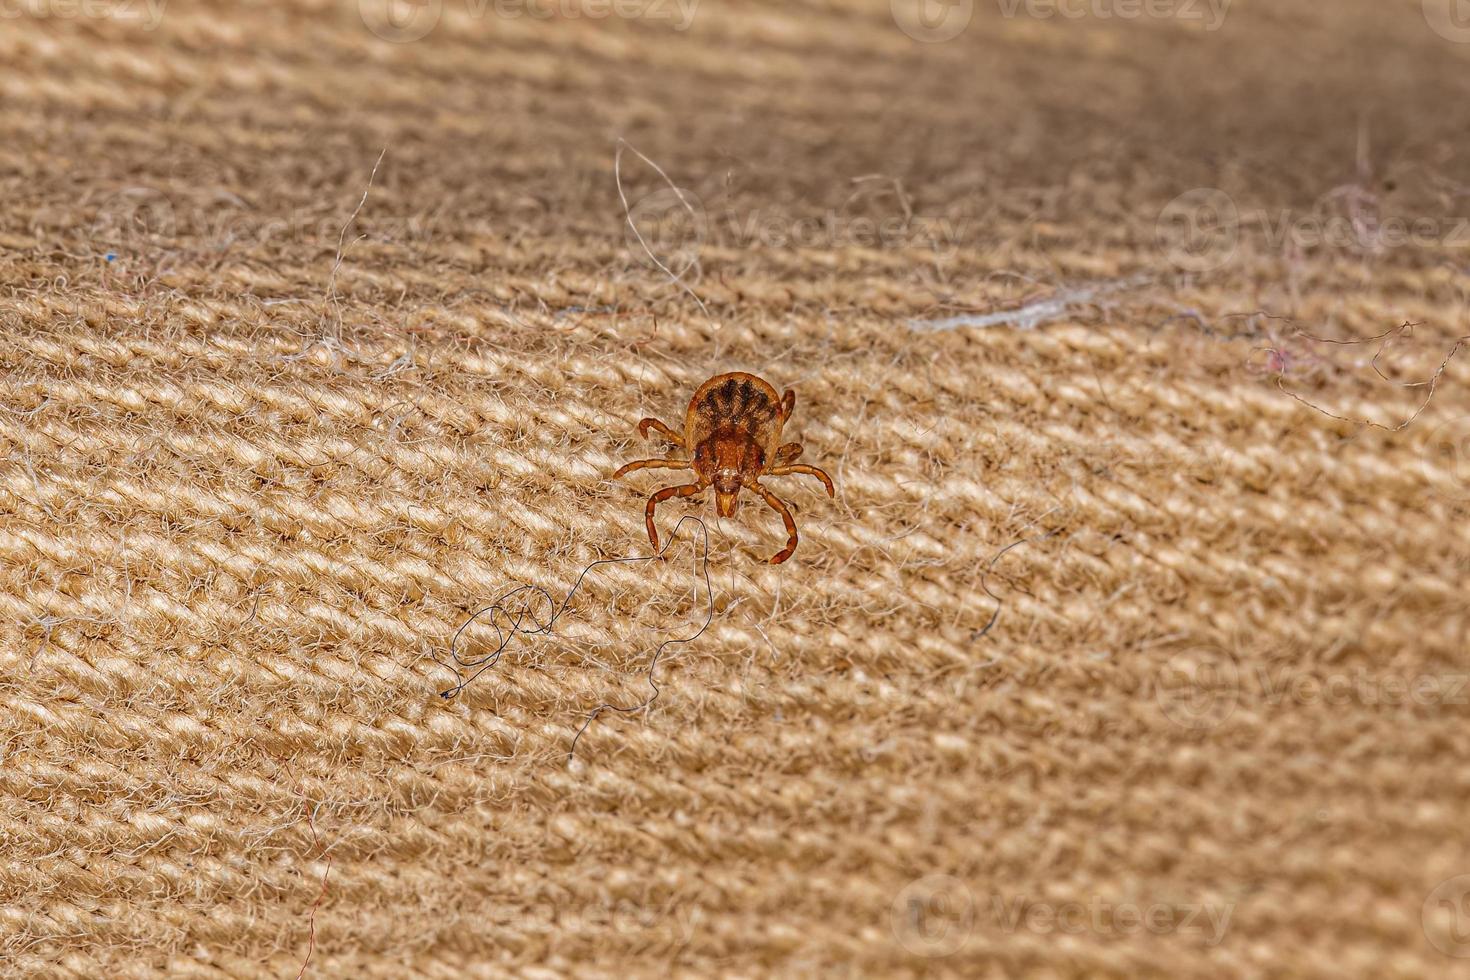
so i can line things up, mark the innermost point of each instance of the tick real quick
(733, 429)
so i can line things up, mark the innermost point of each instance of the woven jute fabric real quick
(1126, 647)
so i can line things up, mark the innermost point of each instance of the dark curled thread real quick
(525, 622)
(985, 584)
(1388, 337)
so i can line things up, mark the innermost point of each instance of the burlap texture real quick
(245, 501)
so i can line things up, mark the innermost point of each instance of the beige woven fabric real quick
(1217, 729)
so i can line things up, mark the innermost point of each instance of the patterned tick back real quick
(739, 402)
(732, 434)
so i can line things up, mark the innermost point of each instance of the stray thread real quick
(985, 576)
(333, 303)
(342, 238)
(527, 613)
(628, 216)
(311, 921)
(1388, 337)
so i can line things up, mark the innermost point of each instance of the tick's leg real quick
(664, 430)
(787, 454)
(778, 505)
(808, 470)
(651, 464)
(788, 404)
(687, 490)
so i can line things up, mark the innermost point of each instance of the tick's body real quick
(732, 430)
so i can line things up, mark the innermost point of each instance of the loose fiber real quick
(520, 619)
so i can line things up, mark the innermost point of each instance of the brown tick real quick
(733, 426)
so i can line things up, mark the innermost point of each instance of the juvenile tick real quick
(733, 427)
